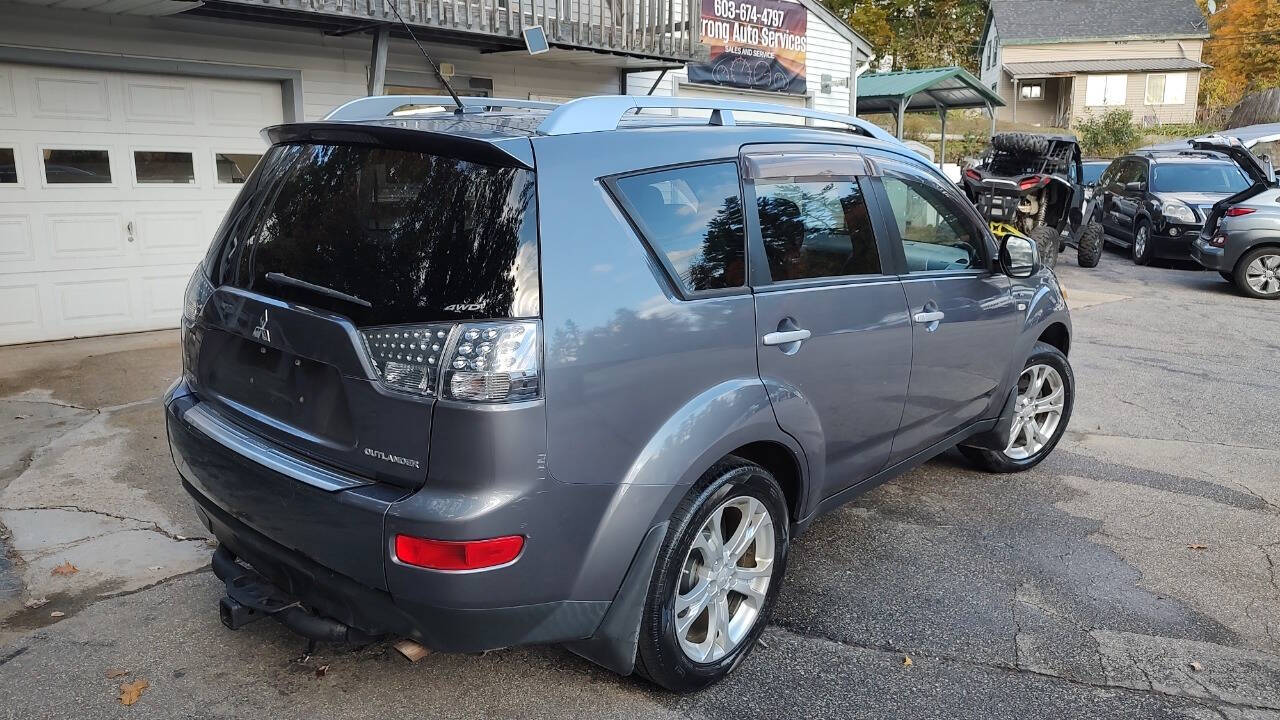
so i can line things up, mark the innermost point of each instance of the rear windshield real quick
(410, 237)
(1210, 177)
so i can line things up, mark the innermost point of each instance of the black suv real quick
(1155, 202)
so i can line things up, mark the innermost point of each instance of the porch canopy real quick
(932, 90)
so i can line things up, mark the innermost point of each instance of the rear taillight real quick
(1238, 211)
(973, 174)
(1218, 240)
(199, 290)
(489, 362)
(454, 555)
(407, 357)
(1028, 183)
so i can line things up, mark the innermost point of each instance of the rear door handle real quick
(929, 317)
(782, 337)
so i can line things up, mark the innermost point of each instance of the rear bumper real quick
(1208, 256)
(331, 549)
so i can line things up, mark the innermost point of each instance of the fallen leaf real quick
(1195, 666)
(130, 692)
(154, 568)
(114, 673)
(34, 603)
(57, 614)
(1197, 547)
(322, 671)
(906, 661)
(65, 568)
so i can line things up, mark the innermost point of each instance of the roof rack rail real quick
(604, 112)
(377, 107)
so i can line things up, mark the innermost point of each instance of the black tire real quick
(1020, 143)
(1242, 268)
(659, 656)
(1046, 239)
(1089, 251)
(996, 460)
(1143, 257)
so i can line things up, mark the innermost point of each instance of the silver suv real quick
(526, 373)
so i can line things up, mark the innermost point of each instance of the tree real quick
(1243, 48)
(913, 34)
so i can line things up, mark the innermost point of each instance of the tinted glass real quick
(235, 167)
(692, 216)
(1210, 177)
(76, 166)
(1092, 171)
(816, 229)
(8, 167)
(419, 237)
(934, 235)
(164, 168)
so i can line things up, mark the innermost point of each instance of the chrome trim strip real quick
(253, 449)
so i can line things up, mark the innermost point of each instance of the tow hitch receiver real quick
(251, 597)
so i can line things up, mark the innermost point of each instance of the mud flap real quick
(1085, 218)
(997, 438)
(614, 643)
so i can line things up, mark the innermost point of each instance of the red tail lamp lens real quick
(973, 174)
(1238, 211)
(451, 555)
(1029, 183)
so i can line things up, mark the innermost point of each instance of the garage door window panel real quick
(8, 166)
(163, 167)
(233, 168)
(76, 166)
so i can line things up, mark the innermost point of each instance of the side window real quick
(935, 236)
(693, 217)
(814, 229)
(1140, 172)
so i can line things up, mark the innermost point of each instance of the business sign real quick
(756, 44)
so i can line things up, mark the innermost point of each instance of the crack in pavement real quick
(154, 527)
(1005, 667)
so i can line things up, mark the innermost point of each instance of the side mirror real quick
(1019, 257)
(1135, 186)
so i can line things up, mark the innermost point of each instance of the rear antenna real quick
(434, 68)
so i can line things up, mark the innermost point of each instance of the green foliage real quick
(1109, 134)
(914, 34)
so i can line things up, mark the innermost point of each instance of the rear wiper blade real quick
(282, 279)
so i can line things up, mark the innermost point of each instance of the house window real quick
(1033, 91)
(1166, 89)
(1105, 90)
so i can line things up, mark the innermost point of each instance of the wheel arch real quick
(1269, 242)
(1057, 335)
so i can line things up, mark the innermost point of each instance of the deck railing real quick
(651, 28)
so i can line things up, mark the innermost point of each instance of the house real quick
(1055, 62)
(127, 126)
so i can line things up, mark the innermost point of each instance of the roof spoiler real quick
(503, 152)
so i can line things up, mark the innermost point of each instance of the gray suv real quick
(527, 373)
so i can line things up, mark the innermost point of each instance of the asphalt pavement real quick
(1133, 574)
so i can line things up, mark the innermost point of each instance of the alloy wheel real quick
(1263, 274)
(1140, 242)
(1037, 411)
(725, 579)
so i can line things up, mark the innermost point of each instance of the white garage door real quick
(111, 185)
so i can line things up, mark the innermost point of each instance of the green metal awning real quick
(950, 87)
(932, 90)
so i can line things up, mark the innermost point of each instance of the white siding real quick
(334, 70)
(828, 53)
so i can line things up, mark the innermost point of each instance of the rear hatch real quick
(1259, 171)
(336, 282)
